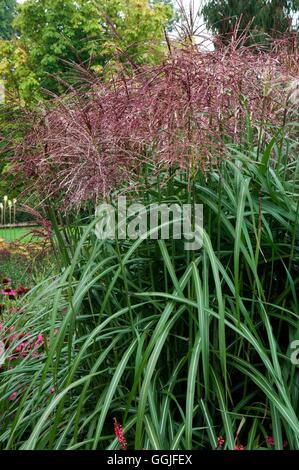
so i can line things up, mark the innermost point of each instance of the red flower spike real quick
(10, 293)
(270, 440)
(22, 290)
(118, 431)
(13, 396)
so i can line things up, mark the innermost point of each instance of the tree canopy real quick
(7, 14)
(54, 33)
(263, 17)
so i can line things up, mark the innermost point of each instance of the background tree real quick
(54, 33)
(265, 17)
(7, 14)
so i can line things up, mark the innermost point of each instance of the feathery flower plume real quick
(118, 431)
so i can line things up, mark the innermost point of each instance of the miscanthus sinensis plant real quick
(187, 350)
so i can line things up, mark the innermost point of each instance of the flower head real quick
(118, 431)
(239, 447)
(22, 290)
(270, 440)
(15, 310)
(40, 340)
(10, 293)
(13, 396)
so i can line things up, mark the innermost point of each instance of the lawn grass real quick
(17, 233)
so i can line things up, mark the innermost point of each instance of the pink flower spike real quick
(40, 340)
(239, 447)
(22, 290)
(13, 396)
(118, 431)
(220, 441)
(10, 293)
(52, 390)
(270, 440)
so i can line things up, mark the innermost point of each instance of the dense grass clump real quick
(181, 113)
(181, 347)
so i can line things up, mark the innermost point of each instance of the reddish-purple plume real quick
(119, 433)
(182, 112)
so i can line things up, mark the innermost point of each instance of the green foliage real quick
(264, 17)
(180, 347)
(52, 34)
(23, 258)
(7, 14)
